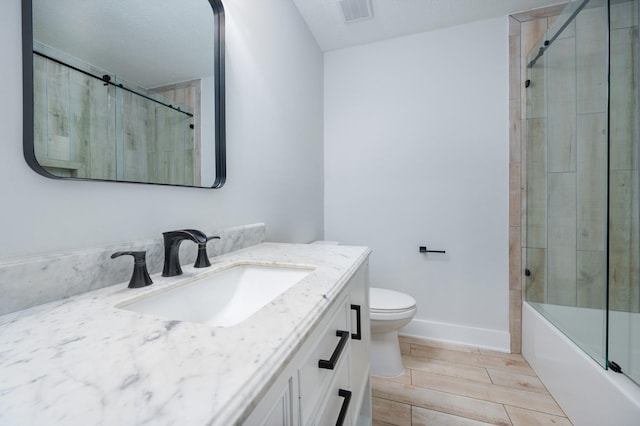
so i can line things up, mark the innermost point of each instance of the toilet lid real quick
(383, 300)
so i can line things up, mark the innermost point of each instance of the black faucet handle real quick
(140, 276)
(138, 256)
(202, 261)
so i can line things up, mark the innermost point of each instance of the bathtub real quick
(589, 395)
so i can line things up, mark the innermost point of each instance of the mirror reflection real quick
(128, 90)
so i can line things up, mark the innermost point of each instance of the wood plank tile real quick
(536, 284)
(561, 220)
(522, 417)
(391, 412)
(623, 241)
(515, 249)
(487, 392)
(514, 26)
(517, 381)
(425, 417)
(518, 366)
(569, 31)
(623, 126)
(514, 197)
(531, 31)
(536, 182)
(515, 320)
(561, 105)
(405, 377)
(514, 67)
(515, 130)
(445, 368)
(623, 15)
(592, 71)
(592, 284)
(437, 394)
(592, 178)
(441, 401)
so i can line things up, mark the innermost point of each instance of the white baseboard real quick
(453, 333)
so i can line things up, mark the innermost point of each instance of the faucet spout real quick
(172, 241)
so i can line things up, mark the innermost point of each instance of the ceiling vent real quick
(356, 10)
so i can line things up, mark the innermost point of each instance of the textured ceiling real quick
(394, 18)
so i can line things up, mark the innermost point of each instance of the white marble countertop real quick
(81, 361)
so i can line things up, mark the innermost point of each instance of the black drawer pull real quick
(358, 334)
(345, 405)
(330, 364)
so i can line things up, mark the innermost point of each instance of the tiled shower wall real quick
(525, 29)
(570, 176)
(624, 227)
(567, 165)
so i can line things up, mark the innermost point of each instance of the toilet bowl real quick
(389, 311)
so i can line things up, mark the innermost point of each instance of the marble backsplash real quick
(28, 282)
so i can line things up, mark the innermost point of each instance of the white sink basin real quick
(222, 299)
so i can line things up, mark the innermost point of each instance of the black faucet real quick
(172, 240)
(140, 276)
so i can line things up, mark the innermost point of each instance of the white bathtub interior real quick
(588, 394)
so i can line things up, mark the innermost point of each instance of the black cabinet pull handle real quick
(358, 334)
(331, 363)
(345, 405)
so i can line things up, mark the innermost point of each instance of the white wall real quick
(274, 135)
(416, 153)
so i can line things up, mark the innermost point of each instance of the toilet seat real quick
(384, 301)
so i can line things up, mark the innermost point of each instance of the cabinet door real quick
(359, 303)
(314, 380)
(280, 414)
(336, 408)
(275, 409)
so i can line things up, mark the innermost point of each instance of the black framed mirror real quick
(125, 90)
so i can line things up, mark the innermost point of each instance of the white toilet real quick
(389, 311)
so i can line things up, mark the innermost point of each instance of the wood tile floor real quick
(450, 385)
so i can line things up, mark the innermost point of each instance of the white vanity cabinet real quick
(360, 346)
(327, 380)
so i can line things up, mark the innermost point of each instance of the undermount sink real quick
(224, 298)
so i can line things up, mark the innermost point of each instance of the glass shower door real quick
(566, 175)
(624, 227)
